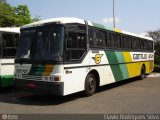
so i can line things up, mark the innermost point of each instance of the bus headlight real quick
(57, 78)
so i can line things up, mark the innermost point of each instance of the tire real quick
(143, 73)
(90, 85)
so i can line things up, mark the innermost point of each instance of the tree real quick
(6, 14)
(37, 18)
(22, 15)
(15, 16)
(2, 1)
(156, 37)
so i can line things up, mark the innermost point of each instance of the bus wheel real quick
(143, 73)
(90, 85)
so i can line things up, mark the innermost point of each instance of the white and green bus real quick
(9, 38)
(62, 56)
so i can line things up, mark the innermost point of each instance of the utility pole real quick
(113, 16)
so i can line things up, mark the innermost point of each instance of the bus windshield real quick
(41, 43)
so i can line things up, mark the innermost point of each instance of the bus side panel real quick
(124, 65)
(6, 81)
(101, 63)
(134, 65)
(130, 65)
(105, 75)
(134, 69)
(118, 65)
(74, 81)
(74, 76)
(7, 72)
(149, 66)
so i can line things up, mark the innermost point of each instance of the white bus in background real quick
(9, 37)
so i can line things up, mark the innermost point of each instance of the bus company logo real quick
(97, 58)
(4, 116)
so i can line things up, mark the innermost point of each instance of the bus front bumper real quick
(55, 88)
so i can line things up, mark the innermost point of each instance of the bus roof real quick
(10, 29)
(65, 20)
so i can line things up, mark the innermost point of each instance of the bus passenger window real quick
(97, 38)
(102, 39)
(76, 43)
(111, 40)
(93, 37)
(10, 41)
(123, 42)
(128, 42)
(117, 41)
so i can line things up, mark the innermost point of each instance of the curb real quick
(154, 75)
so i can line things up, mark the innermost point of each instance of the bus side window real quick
(142, 44)
(145, 44)
(110, 40)
(102, 39)
(117, 41)
(123, 42)
(93, 37)
(76, 42)
(138, 43)
(9, 45)
(97, 38)
(128, 42)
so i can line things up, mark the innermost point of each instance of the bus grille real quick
(30, 77)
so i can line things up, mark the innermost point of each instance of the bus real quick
(62, 56)
(9, 38)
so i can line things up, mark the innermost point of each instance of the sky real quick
(137, 16)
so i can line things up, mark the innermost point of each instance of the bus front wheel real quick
(90, 85)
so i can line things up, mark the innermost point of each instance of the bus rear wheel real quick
(143, 73)
(90, 85)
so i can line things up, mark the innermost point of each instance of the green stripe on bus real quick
(37, 70)
(123, 67)
(98, 25)
(102, 26)
(113, 61)
(119, 71)
(6, 80)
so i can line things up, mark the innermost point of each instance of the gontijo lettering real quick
(139, 56)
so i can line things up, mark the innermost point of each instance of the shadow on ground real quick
(13, 96)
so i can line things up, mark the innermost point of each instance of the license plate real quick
(31, 85)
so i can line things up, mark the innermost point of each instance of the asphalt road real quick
(132, 96)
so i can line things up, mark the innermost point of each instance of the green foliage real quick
(157, 68)
(6, 15)
(155, 34)
(156, 37)
(157, 58)
(2, 1)
(22, 15)
(37, 18)
(14, 16)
